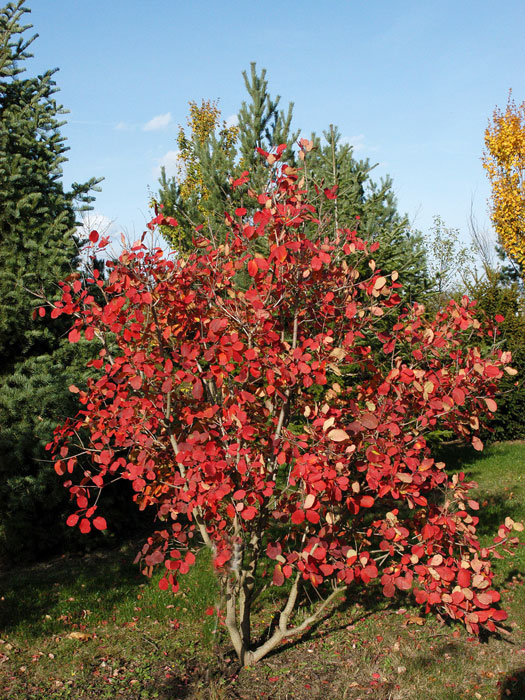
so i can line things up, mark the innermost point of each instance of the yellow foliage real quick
(192, 180)
(504, 161)
(203, 120)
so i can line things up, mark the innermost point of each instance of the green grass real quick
(94, 627)
(500, 474)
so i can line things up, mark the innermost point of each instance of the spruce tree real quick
(37, 217)
(38, 245)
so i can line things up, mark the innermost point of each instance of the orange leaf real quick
(476, 443)
(338, 435)
(491, 405)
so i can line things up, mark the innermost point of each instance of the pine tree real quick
(38, 245)
(197, 194)
(262, 125)
(212, 156)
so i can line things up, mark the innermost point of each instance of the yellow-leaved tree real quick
(504, 161)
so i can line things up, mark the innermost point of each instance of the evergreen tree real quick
(262, 125)
(38, 245)
(37, 217)
(371, 206)
(212, 157)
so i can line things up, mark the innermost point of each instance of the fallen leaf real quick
(82, 636)
(338, 435)
(415, 620)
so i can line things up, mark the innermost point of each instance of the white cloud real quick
(232, 120)
(170, 161)
(95, 220)
(123, 126)
(357, 142)
(161, 121)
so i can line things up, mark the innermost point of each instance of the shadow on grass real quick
(29, 594)
(456, 456)
(513, 686)
(204, 681)
(494, 506)
(494, 509)
(368, 601)
(425, 662)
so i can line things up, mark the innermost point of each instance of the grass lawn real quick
(93, 627)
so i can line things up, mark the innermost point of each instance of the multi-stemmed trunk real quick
(239, 591)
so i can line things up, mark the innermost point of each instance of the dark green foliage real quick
(34, 396)
(496, 296)
(37, 217)
(38, 245)
(33, 501)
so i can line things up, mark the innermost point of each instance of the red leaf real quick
(278, 576)
(313, 516)
(297, 517)
(316, 263)
(100, 523)
(85, 526)
(330, 192)
(74, 335)
(189, 558)
(319, 553)
(464, 577)
(459, 396)
(389, 590)
(72, 520)
(136, 382)
(197, 390)
(248, 513)
(273, 550)
(242, 180)
(368, 420)
(499, 615)
(252, 268)
(492, 371)
(93, 236)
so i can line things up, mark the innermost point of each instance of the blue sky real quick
(411, 83)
